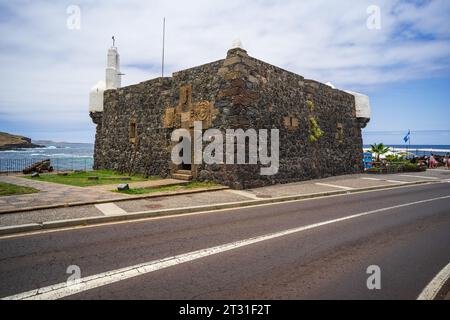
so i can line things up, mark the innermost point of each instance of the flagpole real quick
(409, 139)
(406, 142)
(163, 46)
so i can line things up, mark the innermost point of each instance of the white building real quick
(363, 109)
(113, 79)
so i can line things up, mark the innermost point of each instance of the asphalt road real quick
(410, 243)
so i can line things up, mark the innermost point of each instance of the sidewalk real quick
(52, 194)
(209, 199)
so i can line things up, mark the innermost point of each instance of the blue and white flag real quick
(407, 137)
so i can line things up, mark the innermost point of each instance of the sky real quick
(51, 56)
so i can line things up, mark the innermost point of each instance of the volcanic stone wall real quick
(139, 105)
(275, 98)
(320, 135)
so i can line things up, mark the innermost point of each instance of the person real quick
(426, 161)
(433, 162)
(447, 161)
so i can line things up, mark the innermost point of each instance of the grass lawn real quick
(7, 189)
(81, 179)
(188, 186)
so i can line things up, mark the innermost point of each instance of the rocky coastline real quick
(13, 142)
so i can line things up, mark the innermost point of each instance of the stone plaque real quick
(169, 118)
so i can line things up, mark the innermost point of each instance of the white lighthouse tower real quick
(113, 76)
(113, 80)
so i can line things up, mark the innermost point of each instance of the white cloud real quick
(47, 69)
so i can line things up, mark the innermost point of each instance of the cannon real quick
(39, 167)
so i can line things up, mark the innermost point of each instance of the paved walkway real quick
(59, 194)
(50, 194)
(346, 182)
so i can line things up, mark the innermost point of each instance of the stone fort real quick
(319, 125)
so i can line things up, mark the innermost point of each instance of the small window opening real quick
(132, 131)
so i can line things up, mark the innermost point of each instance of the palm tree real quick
(379, 149)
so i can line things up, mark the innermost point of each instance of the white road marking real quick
(334, 186)
(423, 177)
(62, 290)
(395, 181)
(244, 194)
(432, 289)
(110, 209)
(392, 181)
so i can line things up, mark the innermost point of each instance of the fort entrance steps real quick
(185, 175)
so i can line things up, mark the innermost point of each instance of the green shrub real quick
(412, 167)
(394, 158)
(310, 105)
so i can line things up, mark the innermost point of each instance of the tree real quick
(379, 149)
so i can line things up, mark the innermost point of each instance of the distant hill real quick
(10, 141)
(61, 143)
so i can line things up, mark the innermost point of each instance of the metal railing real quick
(418, 151)
(58, 164)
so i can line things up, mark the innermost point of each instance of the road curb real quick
(78, 204)
(92, 221)
(438, 288)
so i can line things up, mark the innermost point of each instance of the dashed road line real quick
(373, 179)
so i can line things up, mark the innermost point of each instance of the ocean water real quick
(63, 156)
(420, 149)
(418, 137)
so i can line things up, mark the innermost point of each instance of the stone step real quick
(179, 176)
(186, 172)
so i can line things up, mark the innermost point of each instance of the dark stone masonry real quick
(320, 135)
